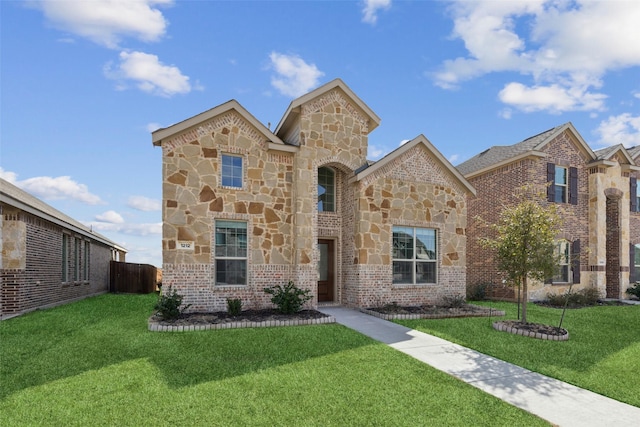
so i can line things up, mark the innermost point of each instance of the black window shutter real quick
(573, 186)
(633, 187)
(632, 261)
(575, 260)
(551, 179)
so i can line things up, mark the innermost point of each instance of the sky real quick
(84, 83)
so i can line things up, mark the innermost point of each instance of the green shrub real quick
(289, 298)
(587, 296)
(634, 290)
(478, 292)
(456, 301)
(234, 306)
(168, 305)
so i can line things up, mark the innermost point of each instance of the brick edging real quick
(500, 326)
(453, 314)
(156, 326)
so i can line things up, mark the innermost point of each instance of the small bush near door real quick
(289, 298)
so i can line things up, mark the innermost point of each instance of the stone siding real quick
(278, 201)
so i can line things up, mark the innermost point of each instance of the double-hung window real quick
(561, 185)
(414, 255)
(562, 253)
(231, 253)
(326, 190)
(231, 171)
(65, 257)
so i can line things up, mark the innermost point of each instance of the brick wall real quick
(498, 187)
(39, 283)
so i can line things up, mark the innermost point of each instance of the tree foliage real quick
(525, 242)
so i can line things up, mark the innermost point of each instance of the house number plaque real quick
(183, 245)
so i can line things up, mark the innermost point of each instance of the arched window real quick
(326, 190)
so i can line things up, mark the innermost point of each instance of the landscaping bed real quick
(246, 319)
(394, 311)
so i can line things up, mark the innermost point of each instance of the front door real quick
(325, 271)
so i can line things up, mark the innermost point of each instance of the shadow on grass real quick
(88, 335)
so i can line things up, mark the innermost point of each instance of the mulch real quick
(246, 315)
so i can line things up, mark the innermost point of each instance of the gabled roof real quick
(14, 196)
(497, 156)
(290, 116)
(419, 140)
(163, 134)
(634, 151)
(609, 152)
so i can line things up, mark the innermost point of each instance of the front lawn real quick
(95, 363)
(601, 355)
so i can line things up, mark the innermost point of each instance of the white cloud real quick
(553, 43)
(404, 141)
(505, 113)
(112, 217)
(142, 203)
(127, 228)
(370, 9)
(375, 152)
(294, 76)
(149, 73)
(8, 176)
(453, 158)
(151, 127)
(553, 98)
(49, 188)
(636, 94)
(106, 22)
(623, 129)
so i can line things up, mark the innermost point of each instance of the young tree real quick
(524, 243)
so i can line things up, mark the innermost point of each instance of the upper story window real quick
(231, 171)
(562, 184)
(562, 253)
(326, 190)
(414, 255)
(634, 194)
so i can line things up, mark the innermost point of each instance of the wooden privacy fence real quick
(132, 278)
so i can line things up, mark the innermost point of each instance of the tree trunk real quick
(524, 299)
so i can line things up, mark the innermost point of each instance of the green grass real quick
(601, 355)
(95, 363)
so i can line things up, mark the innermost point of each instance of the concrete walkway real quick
(555, 401)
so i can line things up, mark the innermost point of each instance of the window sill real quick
(412, 285)
(229, 287)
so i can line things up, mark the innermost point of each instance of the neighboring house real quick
(596, 193)
(245, 208)
(48, 258)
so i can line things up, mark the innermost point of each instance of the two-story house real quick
(246, 208)
(596, 193)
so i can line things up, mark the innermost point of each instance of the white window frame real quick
(225, 253)
(560, 185)
(233, 176)
(418, 256)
